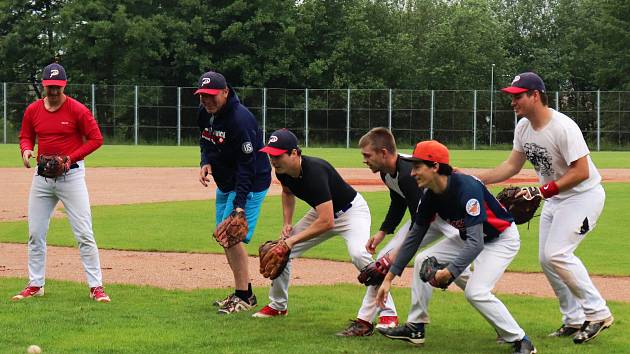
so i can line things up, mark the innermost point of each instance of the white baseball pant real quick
(353, 225)
(45, 193)
(561, 232)
(477, 284)
(438, 228)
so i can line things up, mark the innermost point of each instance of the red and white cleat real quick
(29, 291)
(267, 311)
(98, 294)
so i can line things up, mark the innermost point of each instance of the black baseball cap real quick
(211, 83)
(524, 82)
(280, 141)
(54, 75)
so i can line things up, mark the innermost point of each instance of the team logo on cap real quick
(516, 79)
(472, 207)
(247, 147)
(54, 72)
(273, 139)
(205, 81)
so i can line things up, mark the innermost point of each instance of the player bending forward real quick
(491, 241)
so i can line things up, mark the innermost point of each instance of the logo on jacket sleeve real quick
(472, 207)
(247, 147)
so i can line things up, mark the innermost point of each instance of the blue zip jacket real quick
(229, 142)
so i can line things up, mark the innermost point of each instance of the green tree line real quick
(406, 44)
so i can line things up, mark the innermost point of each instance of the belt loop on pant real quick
(343, 210)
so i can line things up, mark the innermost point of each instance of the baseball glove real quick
(52, 166)
(429, 267)
(375, 272)
(523, 207)
(232, 230)
(274, 256)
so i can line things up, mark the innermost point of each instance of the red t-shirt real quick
(71, 130)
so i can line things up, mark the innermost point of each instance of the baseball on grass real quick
(34, 349)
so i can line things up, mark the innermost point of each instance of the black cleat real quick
(413, 333)
(591, 330)
(524, 346)
(565, 331)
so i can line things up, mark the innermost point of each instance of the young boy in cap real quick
(491, 241)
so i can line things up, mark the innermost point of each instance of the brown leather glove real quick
(52, 166)
(232, 230)
(274, 256)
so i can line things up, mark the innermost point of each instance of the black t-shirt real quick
(319, 182)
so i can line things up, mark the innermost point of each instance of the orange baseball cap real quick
(429, 150)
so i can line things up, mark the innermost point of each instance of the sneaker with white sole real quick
(591, 329)
(236, 304)
(565, 331)
(219, 303)
(98, 294)
(357, 328)
(29, 291)
(387, 322)
(413, 333)
(269, 311)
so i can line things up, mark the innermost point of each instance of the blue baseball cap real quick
(280, 141)
(54, 75)
(211, 83)
(524, 82)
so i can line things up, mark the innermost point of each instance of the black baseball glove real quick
(523, 207)
(375, 272)
(429, 267)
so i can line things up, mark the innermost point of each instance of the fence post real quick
(135, 115)
(348, 121)
(306, 117)
(389, 116)
(431, 115)
(94, 101)
(598, 119)
(475, 120)
(264, 114)
(179, 116)
(558, 101)
(4, 114)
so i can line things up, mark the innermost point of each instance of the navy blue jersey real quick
(229, 142)
(468, 206)
(464, 203)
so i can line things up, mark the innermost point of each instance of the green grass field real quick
(186, 227)
(149, 320)
(188, 156)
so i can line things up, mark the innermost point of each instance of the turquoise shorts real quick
(224, 206)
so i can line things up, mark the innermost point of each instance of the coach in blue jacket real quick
(230, 143)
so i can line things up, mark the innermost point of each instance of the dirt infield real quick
(190, 271)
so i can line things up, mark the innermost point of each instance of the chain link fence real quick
(466, 119)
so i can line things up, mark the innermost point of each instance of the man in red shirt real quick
(62, 126)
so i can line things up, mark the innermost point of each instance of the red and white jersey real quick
(553, 148)
(71, 130)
